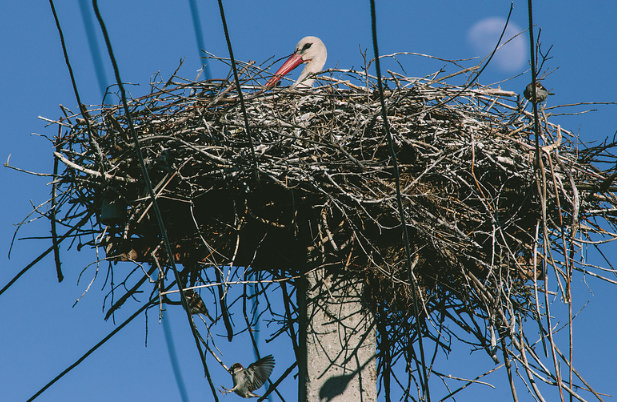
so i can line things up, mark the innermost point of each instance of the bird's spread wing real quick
(257, 373)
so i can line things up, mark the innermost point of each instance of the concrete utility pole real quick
(337, 341)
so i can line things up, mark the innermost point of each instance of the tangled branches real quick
(491, 224)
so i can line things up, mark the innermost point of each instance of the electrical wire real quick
(534, 73)
(240, 96)
(148, 184)
(199, 36)
(95, 50)
(90, 138)
(173, 357)
(399, 201)
(150, 303)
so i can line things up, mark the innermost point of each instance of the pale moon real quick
(483, 37)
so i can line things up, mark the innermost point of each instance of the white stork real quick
(309, 50)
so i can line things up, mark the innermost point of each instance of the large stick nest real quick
(310, 183)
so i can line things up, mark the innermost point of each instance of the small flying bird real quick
(247, 380)
(196, 304)
(541, 92)
(309, 50)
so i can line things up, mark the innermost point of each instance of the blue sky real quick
(42, 333)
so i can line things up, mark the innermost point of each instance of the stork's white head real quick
(309, 50)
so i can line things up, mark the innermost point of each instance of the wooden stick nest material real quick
(311, 184)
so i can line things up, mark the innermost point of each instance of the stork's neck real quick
(314, 65)
(302, 82)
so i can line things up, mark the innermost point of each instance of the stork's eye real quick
(306, 47)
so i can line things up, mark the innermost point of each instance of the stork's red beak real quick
(294, 61)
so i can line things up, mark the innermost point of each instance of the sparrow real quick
(251, 378)
(196, 304)
(541, 92)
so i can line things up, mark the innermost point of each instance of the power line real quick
(148, 183)
(95, 51)
(199, 37)
(240, 96)
(399, 201)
